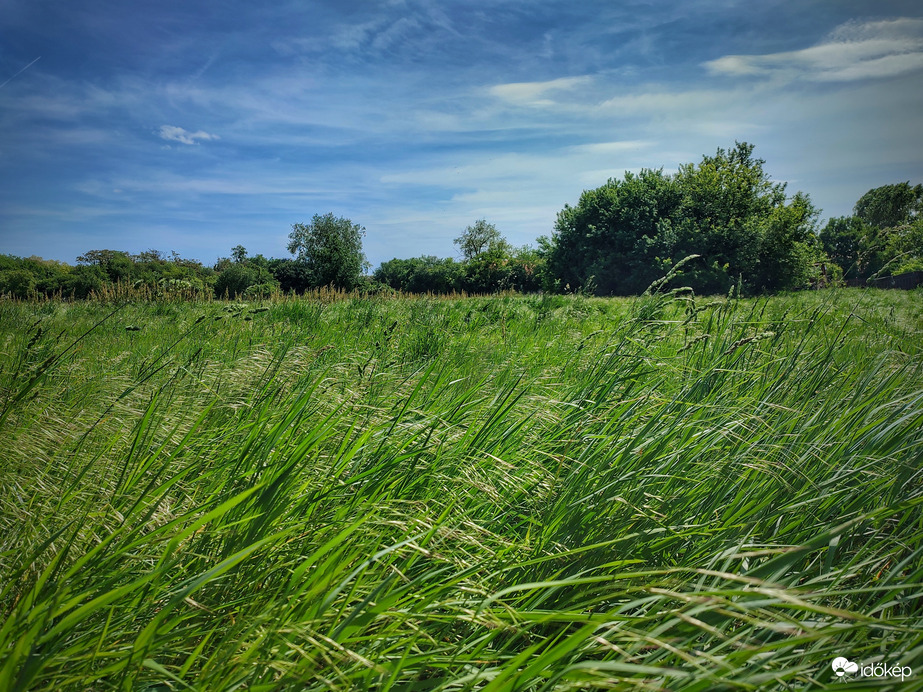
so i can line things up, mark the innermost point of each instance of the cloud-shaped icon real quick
(841, 666)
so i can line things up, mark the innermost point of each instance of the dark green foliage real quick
(118, 266)
(83, 280)
(479, 238)
(293, 276)
(618, 237)
(890, 205)
(622, 236)
(427, 274)
(239, 254)
(234, 280)
(853, 245)
(19, 283)
(488, 271)
(883, 237)
(496, 267)
(331, 249)
(526, 266)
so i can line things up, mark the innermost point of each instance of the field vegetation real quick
(504, 493)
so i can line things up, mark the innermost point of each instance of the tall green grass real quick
(509, 493)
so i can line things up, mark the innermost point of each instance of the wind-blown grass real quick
(529, 493)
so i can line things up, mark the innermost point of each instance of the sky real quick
(197, 125)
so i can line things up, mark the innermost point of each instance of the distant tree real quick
(489, 270)
(50, 275)
(331, 249)
(293, 275)
(82, 281)
(890, 205)
(625, 234)
(884, 236)
(150, 255)
(852, 245)
(615, 238)
(904, 247)
(478, 238)
(234, 280)
(526, 267)
(239, 254)
(426, 274)
(221, 264)
(19, 283)
(117, 265)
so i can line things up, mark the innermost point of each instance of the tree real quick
(884, 236)
(331, 249)
(293, 276)
(624, 235)
(480, 238)
(239, 254)
(118, 265)
(890, 205)
(19, 283)
(852, 245)
(427, 274)
(234, 280)
(489, 270)
(617, 236)
(526, 267)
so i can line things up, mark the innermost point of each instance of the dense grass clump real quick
(507, 493)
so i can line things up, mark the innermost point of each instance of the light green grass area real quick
(507, 493)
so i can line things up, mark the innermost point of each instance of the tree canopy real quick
(331, 249)
(883, 236)
(479, 238)
(890, 205)
(622, 236)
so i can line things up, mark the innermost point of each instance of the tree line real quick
(741, 227)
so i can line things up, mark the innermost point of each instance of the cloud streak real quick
(853, 51)
(171, 133)
(532, 93)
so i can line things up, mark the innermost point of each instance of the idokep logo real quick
(844, 668)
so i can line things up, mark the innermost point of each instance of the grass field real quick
(508, 493)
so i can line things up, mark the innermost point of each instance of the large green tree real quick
(331, 249)
(883, 236)
(890, 205)
(726, 209)
(616, 236)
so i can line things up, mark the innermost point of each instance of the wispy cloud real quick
(853, 51)
(171, 133)
(533, 93)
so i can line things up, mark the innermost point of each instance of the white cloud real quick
(853, 51)
(531, 93)
(171, 133)
(610, 148)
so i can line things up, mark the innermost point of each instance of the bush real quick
(234, 280)
(261, 290)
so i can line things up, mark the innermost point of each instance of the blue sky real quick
(197, 125)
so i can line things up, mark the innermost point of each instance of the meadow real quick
(502, 493)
